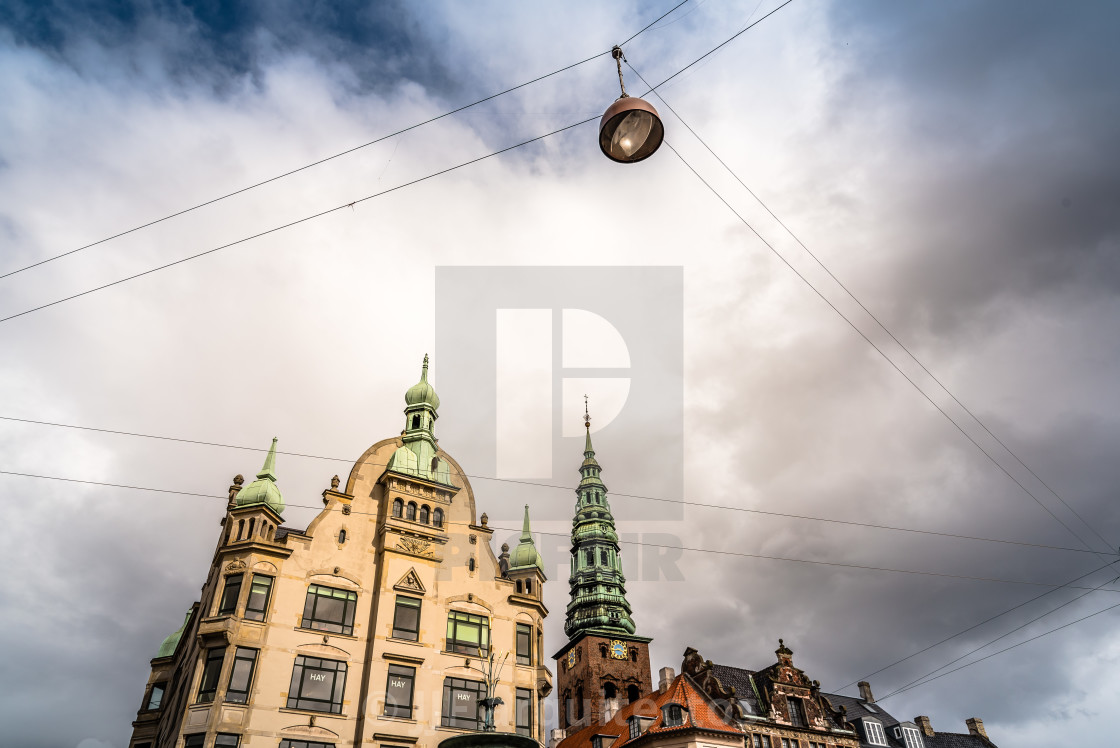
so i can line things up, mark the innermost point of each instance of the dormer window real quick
(796, 712)
(910, 736)
(873, 732)
(672, 715)
(602, 741)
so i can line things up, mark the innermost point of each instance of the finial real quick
(586, 414)
(485, 519)
(424, 371)
(238, 479)
(334, 483)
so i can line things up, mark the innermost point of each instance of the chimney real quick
(555, 737)
(975, 726)
(667, 676)
(924, 726)
(865, 692)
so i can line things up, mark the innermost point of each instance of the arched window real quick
(470, 564)
(398, 508)
(672, 715)
(518, 586)
(435, 464)
(632, 694)
(590, 557)
(603, 650)
(609, 690)
(341, 536)
(425, 512)
(240, 529)
(252, 524)
(271, 532)
(410, 513)
(437, 518)
(229, 531)
(416, 421)
(528, 586)
(633, 654)
(604, 557)
(579, 703)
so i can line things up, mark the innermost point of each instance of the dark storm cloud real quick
(380, 43)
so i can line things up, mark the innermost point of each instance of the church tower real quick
(605, 664)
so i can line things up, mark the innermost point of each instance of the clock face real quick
(618, 650)
(571, 658)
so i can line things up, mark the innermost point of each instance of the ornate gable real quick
(410, 582)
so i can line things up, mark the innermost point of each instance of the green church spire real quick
(598, 587)
(526, 555)
(264, 489)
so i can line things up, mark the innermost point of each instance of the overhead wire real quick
(615, 494)
(871, 314)
(331, 157)
(691, 549)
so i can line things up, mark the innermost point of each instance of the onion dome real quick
(526, 555)
(422, 393)
(264, 489)
(171, 643)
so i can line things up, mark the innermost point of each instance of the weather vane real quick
(586, 413)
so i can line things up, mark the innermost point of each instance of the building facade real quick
(368, 626)
(604, 664)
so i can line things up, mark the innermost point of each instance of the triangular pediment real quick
(410, 582)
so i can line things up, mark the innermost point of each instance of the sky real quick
(953, 165)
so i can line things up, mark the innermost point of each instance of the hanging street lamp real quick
(630, 130)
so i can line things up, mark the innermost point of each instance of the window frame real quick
(395, 709)
(523, 630)
(241, 696)
(252, 613)
(236, 740)
(671, 718)
(300, 743)
(233, 582)
(437, 517)
(874, 732)
(194, 740)
(406, 602)
(301, 666)
(523, 696)
(211, 669)
(349, 610)
(796, 706)
(911, 737)
(458, 646)
(452, 686)
(634, 726)
(162, 686)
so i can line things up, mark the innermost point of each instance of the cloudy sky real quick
(953, 164)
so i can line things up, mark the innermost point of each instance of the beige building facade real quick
(369, 627)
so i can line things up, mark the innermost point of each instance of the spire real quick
(526, 555)
(419, 453)
(598, 591)
(264, 489)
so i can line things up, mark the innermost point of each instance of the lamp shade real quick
(630, 130)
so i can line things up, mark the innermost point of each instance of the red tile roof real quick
(700, 714)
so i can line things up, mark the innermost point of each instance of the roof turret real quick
(526, 555)
(171, 643)
(264, 489)
(422, 393)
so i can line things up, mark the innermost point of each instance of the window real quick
(672, 715)
(760, 741)
(579, 703)
(410, 511)
(424, 514)
(259, 592)
(226, 740)
(328, 609)
(602, 741)
(155, 696)
(241, 676)
(211, 669)
(911, 737)
(603, 558)
(194, 741)
(635, 727)
(873, 731)
(632, 694)
(416, 421)
(317, 685)
(341, 536)
(524, 644)
(523, 709)
(467, 633)
(437, 518)
(406, 619)
(460, 703)
(230, 594)
(304, 744)
(791, 743)
(590, 557)
(398, 508)
(470, 563)
(528, 586)
(398, 691)
(796, 712)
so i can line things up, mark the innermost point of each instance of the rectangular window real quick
(259, 593)
(874, 733)
(406, 619)
(226, 740)
(524, 712)
(194, 741)
(460, 703)
(155, 696)
(757, 741)
(467, 633)
(211, 669)
(524, 644)
(317, 685)
(796, 712)
(230, 594)
(765, 741)
(304, 744)
(328, 609)
(636, 728)
(241, 676)
(910, 735)
(398, 691)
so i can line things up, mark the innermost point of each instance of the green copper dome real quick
(422, 393)
(526, 554)
(264, 490)
(171, 643)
